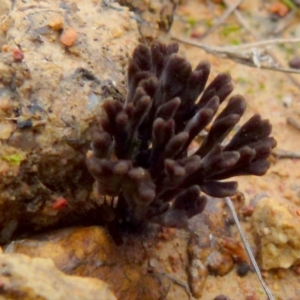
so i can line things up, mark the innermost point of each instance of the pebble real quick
(295, 62)
(68, 37)
(243, 269)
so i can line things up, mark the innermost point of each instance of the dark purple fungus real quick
(140, 150)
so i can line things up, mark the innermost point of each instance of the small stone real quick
(295, 62)
(280, 247)
(219, 263)
(68, 37)
(243, 269)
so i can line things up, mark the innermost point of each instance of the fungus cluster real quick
(140, 151)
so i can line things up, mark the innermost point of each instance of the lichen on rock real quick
(49, 93)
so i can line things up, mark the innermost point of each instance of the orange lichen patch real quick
(57, 23)
(4, 48)
(298, 212)
(68, 37)
(279, 8)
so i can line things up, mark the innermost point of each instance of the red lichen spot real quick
(18, 55)
(59, 203)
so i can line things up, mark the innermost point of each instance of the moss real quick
(14, 159)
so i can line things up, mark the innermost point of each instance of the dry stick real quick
(264, 43)
(285, 154)
(221, 20)
(236, 48)
(251, 57)
(248, 249)
(293, 122)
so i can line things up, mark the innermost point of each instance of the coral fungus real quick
(140, 150)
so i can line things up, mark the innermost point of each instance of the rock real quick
(50, 97)
(91, 252)
(23, 277)
(278, 234)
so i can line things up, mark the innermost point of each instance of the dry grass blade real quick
(248, 249)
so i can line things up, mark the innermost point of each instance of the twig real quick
(265, 43)
(293, 122)
(248, 249)
(246, 54)
(221, 20)
(285, 154)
